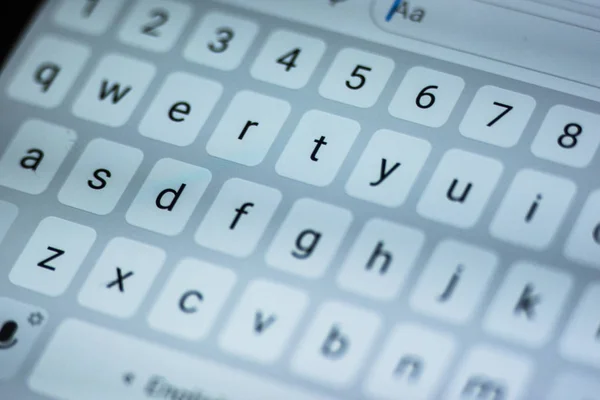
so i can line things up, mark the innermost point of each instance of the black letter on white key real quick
(171, 204)
(461, 199)
(306, 249)
(99, 178)
(119, 280)
(45, 75)
(411, 364)
(246, 127)
(260, 323)
(44, 262)
(383, 174)
(320, 142)
(527, 302)
(180, 107)
(380, 253)
(33, 160)
(114, 90)
(335, 345)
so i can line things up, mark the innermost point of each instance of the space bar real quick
(84, 361)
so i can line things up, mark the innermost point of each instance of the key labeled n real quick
(115, 91)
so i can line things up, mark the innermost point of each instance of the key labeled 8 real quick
(568, 136)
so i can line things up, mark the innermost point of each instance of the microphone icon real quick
(7, 335)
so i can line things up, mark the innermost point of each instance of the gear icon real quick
(35, 318)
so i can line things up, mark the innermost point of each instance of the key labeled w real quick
(113, 90)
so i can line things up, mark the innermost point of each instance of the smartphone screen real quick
(301, 200)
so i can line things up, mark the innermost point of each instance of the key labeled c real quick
(185, 299)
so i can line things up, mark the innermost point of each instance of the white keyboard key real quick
(31, 160)
(453, 282)
(8, 214)
(490, 373)
(308, 238)
(380, 259)
(497, 116)
(288, 59)
(532, 209)
(180, 108)
(263, 321)
(168, 197)
(568, 136)
(248, 128)
(356, 77)
(93, 17)
(580, 342)
(155, 371)
(48, 71)
(114, 89)
(192, 299)
(97, 182)
(411, 364)
(237, 219)
(426, 96)
(220, 41)
(460, 188)
(52, 256)
(388, 168)
(528, 304)
(317, 148)
(155, 24)
(335, 344)
(583, 244)
(575, 387)
(121, 277)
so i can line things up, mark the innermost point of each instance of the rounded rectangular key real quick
(308, 238)
(528, 304)
(317, 148)
(583, 244)
(568, 136)
(497, 116)
(48, 71)
(220, 41)
(335, 344)
(460, 188)
(113, 90)
(288, 59)
(380, 259)
(192, 299)
(180, 108)
(52, 256)
(121, 277)
(238, 217)
(35, 154)
(356, 77)
(126, 367)
(580, 342)
(248, 128)
(532, 209)
(412, 363)
(263, 321)
(97, 182)
(388, 168)
(93, 17)
(168, 196)
(155, 24)
(426, 97)
(490, 373)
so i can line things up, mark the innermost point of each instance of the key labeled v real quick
(261, 323)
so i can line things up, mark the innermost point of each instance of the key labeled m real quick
(114, 91)
(483, 388)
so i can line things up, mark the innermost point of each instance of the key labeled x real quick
(120, 279)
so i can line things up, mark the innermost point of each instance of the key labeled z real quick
(56, 254)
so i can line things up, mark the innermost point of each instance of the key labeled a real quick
(52, 256)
